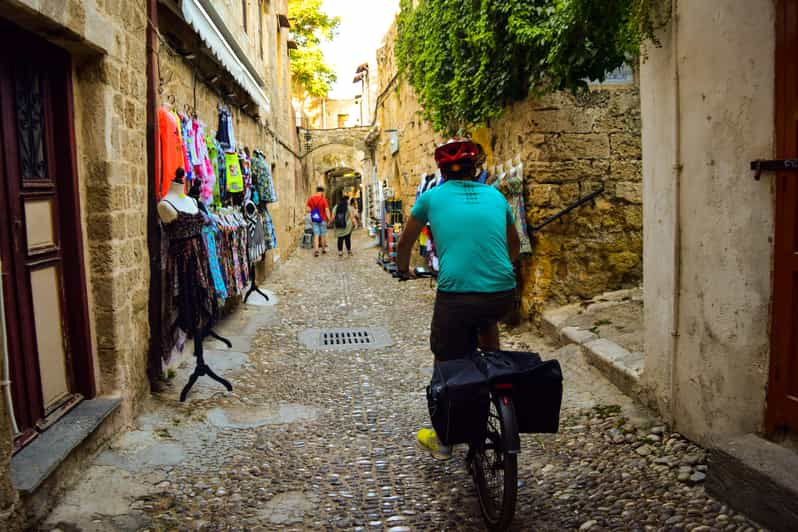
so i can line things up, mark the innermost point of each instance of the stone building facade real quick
(104, 126)
(570, 146)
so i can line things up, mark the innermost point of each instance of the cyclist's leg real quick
(453, 332)
(494, 307)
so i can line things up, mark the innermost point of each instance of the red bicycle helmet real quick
(454, 151)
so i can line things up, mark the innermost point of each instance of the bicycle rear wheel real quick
(495, 470)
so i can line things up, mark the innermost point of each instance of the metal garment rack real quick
(201, 369)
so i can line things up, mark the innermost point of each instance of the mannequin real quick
(190, 298)
(176, 200)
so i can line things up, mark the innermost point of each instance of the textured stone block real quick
(626, 145)
(630, 191)
(577, 146)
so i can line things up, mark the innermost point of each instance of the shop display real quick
(215, 223)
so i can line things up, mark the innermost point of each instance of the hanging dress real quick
(190, 304)
(511, 185)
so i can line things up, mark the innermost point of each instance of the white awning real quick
(199, 19)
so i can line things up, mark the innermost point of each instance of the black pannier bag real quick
(459, 400)
(536, 387)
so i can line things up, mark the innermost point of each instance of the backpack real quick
(315, 216)
(340, 220)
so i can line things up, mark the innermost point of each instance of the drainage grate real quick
(354, 338)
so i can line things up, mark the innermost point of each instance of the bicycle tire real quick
(497, 516)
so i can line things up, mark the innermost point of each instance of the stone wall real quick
(106, 40)
(569, 145)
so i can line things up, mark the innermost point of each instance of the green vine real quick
(469, 59)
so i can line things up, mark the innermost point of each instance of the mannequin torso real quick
(174, 201)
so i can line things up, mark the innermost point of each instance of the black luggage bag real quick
(536, 387)
(459, 401)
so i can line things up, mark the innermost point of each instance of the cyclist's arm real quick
(404, 248)
(513, 242)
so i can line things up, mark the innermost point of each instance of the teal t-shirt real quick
(469, 226)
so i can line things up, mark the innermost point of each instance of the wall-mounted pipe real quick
(154, 365)
(677, 208)
(6, 382)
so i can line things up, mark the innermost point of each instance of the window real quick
(244, 14)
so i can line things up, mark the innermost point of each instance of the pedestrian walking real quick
(344, 221)
(319, 211)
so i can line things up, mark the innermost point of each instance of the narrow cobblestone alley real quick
(325, 439)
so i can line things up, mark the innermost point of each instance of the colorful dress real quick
(512, 186)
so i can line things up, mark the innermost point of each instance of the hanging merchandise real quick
(224, 133)
(268, 228)
(262, 182)
(171, 150)
(210, 233)
(215, 250)
(243, 160)
(235, 182)
(203, 167)
(190, 303)
(187, 135)
(255, 230)
(511, 184)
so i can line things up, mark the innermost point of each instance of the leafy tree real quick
(309, 26)
(468, 59)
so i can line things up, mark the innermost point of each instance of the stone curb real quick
(621, 367)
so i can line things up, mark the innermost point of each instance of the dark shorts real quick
(459, 317)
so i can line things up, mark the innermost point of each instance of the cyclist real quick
(477, 242)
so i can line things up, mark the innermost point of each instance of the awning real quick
(213, 37)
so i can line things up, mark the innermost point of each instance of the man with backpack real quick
(319, 211)
(477, 242)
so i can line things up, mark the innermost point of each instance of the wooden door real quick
(782, 398)
(40, 239)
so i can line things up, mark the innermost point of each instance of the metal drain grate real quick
(349, 338)
(353, 337)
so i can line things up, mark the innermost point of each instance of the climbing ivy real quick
(468, 59)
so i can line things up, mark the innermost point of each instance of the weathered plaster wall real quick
(569, 146)
(710, 378)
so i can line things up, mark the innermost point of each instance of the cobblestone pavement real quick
(325, 439)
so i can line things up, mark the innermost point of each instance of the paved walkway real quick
(325, 439)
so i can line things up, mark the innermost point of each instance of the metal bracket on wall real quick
(777, 165)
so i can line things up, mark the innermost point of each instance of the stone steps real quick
(620, 366)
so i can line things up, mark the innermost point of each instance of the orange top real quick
(171, 148)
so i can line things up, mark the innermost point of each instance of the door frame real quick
(783, 342)
(59, 115)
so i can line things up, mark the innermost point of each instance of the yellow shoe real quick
(428, 441)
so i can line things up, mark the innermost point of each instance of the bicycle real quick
(493, 462)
